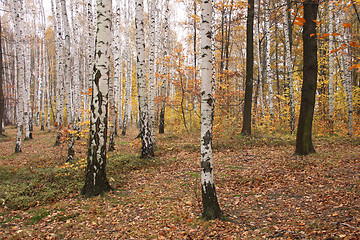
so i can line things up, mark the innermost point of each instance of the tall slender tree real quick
(165, 69)
(152, 68)
(246, 130)
(289, 63)
(18, 18)
(2, 104)
(147, 150)
(304, 143)
(95, 174)
(331, 65)
(211, 208)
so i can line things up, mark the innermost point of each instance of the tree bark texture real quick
(304, 143)
(147, 150)
(246, 130)
(211, 208)
(96, 182)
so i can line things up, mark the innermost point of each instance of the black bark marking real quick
(211, 208)
(206, 167)
(207, 138)
(210, 101)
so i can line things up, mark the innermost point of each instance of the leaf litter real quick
(264, 191)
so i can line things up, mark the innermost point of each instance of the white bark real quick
(59, 63)
(128, 73)
(18, 17)
(289, 66)
(96, 182)
(211, 207)
(331, 64)
(76, 63)
(165, 69)
(145, 132)
(346, 64)
(114, 80)
(268, 58)
(152, 68)
(67, 63)
(27, 79)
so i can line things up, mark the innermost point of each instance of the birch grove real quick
(148, 56)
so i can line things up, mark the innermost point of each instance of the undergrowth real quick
(27, 187)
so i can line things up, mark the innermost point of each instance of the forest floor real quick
(264, 190)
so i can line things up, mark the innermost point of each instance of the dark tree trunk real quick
(304, 143)
(162, 119)
(246, 130)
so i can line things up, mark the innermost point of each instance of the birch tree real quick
(67, 83)
(59, 68)
(331, 65)
(96, 182)
(267, 73)
(2, 103)
(289, 63)
(348, 80)
(114, 80)
(152, 68)
(211, 208)
(18, 18)
(128, 72)
(147, 150)
(165, 69)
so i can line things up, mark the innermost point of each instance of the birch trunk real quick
(68, 73)
(76, 65)
(331, 66)
(289, 65)
(128, 73)
(18, 18)
(152, 69)
(211, 208)
(166, 70)
(348, 85)
(147, 150)
(114, 81)
(2, 102)
(59, 58)
(96, 182)
(27, 79)
(268, 60)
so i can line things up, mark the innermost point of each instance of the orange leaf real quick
(335, 34)
(346, 25)
(298, 23)
(326, 34)
(355, 66)
(300, 19)
(312, 35)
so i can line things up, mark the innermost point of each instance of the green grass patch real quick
(37, 216)
(29, 187)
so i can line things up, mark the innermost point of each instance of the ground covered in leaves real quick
(264, 191)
